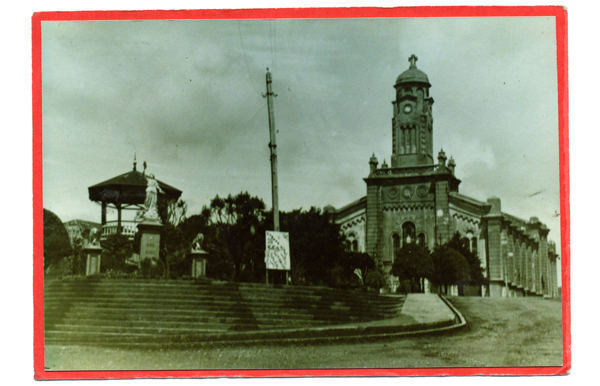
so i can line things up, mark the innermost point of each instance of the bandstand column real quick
(103, 213)
(119, 219)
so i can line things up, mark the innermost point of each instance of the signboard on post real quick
(277, 250)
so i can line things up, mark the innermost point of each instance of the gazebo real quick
(125, 192)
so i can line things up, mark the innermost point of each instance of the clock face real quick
(407, 109)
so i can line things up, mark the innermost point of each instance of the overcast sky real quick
(185, 96)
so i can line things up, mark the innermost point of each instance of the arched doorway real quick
(408, 233)
(421, 240)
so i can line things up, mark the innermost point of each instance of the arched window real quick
(408, 233)
(395, 245)
(350, 240)
(354, 246)
(472, 241)
(421, 240)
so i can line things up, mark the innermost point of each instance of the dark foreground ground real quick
(500, 332)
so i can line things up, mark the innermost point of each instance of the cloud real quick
(186, 96)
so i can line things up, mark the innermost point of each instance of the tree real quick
(462, 245)
(450, 267)
(351, 265)
(316, 244)
(235, 220)
(56, 239)
(413, 263)
(173, 248)
(171, 211)
(79, 256)
(220, 265)
(375, 279)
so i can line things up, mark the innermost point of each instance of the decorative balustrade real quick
(129, 229)
(405, 171)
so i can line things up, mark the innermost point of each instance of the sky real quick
(186, 97)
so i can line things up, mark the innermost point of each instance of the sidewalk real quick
(420, 312)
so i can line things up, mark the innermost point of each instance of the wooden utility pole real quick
(273, 147)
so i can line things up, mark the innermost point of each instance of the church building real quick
(417, 200)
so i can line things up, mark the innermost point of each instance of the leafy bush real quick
(152, 268)
(56, 239)
(316, 246)
(375, 279)
(220, 268)
(351, 269)
(413, 263)
(461, 245)
(450, 267)
(79, 258)
(174, 251)
(115, 250)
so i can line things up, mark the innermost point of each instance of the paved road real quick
(501, 332)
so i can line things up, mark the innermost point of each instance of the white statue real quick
(139, 216)
(197, 243)
(93, 237)
(151, 202)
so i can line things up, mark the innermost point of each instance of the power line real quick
(246, 60)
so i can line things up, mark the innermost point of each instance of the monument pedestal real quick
(149, 240)
(199, 258)
(94, 255)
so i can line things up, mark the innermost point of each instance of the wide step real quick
(117, 312)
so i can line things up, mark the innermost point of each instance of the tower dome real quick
(412, 122)
(413, 74)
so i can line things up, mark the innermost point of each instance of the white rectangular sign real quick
(277, 250)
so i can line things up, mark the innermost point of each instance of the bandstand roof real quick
(127, 188)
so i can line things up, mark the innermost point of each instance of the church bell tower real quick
(412, 124)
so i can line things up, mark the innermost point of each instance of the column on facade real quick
(372, 224)
(494, 220)
(540, 273)
(528, 273)
(535, 271)
(525, 266)
(503, 252)
(442, 207)
(494, 255)
(546, 277)
(543, 250)
(511, 259)
(400, 136)
(541, 280)
(555, 269)
(521, 262)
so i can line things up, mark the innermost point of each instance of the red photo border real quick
(559, 13)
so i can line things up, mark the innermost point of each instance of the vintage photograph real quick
(301, 193)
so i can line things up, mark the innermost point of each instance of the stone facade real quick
(415, 200)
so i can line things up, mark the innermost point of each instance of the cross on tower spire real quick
(413, 61)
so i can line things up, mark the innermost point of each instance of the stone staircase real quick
(134, 312)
